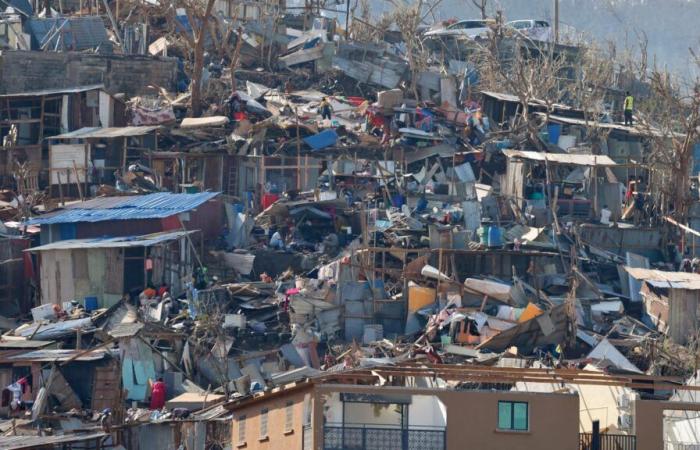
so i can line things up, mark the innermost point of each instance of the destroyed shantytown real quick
(261, 224)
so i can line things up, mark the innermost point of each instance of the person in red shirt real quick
(158, 394)
(162, 290)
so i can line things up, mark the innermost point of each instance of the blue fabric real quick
(322, 140)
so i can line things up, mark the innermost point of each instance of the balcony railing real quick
(681, 446)
(363, 437)
(607, 442)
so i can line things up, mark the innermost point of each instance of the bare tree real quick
(199, 15)
(529, 70)
(481, 6)
(671, 116)
(408, 20)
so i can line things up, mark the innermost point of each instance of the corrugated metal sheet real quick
(21, 5)
(151, 206)
(106, 133)
(561, 158)
(22, 442)
(660, 275)
(687, 285)
(24, 344)
(73, 90)
(501, 96)
(79, 33)
(52, 355)
(116, 242)
(637, 130)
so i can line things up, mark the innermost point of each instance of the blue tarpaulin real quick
(322, 140)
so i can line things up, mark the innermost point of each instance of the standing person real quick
(158, 394)
(638, 208)
(629, 107)
(325, 108)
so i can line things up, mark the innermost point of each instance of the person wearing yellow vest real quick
(629, 107)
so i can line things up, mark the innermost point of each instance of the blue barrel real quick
(495, 237)
(90, 303)
(398, 200)
(554, 131)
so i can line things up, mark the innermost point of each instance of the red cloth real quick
(269, 199)
(158, 395)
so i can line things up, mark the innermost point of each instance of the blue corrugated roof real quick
(79, 33)
(151, 206)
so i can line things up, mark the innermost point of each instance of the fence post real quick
(595, 438)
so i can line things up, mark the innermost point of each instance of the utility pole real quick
(556, 21)
(347, 20)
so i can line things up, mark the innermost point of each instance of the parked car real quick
(464, 28)
(538, 30)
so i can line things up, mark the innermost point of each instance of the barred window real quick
(263, 423)
(289, 417)
(241, 429)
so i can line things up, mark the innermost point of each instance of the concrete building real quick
(328, 414)
(445, 407)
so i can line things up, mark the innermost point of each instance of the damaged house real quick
(107, 269)
(133, 215)
(575, 182)
(28, 118)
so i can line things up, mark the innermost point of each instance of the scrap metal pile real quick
(363, 226)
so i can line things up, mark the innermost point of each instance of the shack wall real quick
(682, 317)
(75, 274)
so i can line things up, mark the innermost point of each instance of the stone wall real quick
(22, 71)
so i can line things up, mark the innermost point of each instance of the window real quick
(513, 416)
(263, 423)
(289, 417)
(241, 429)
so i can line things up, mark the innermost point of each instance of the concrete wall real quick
(649, 421)
(278, 436)
(22, 71)
(553, 421)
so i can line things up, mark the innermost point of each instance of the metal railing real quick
(607, 442)
(681, 446)
(362, 437)
(307, 437)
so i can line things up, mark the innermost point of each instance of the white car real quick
(463, 28)
(537, 30)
